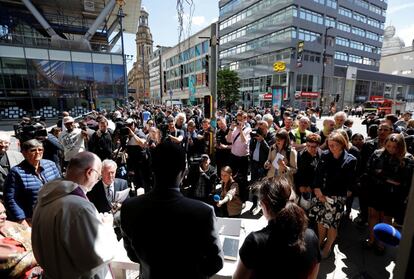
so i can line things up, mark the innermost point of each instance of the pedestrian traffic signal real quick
(208, 106)
(337, 98)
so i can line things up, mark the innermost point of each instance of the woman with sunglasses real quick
(390, 170)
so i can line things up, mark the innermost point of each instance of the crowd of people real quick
(75, 184)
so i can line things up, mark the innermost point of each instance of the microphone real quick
(216, 198)
(387, 234)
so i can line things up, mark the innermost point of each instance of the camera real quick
(30, 130)
(255, 132)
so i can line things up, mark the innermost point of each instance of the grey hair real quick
(30, 144)
(181, 114)
(267, 117)
(340, 113)
(109, 163)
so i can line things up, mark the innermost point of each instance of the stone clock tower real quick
(138, 76)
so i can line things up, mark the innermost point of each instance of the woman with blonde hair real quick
(334, 180)
(230, 194)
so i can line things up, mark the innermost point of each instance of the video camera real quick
(30, 128)
(256, 132)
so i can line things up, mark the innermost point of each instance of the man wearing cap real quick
(8, 158)
(73, 139)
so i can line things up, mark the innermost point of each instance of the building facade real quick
(156, 77)
(58, 55)
(300, 35)
(138, 76)
(396, 59)
(185, 69)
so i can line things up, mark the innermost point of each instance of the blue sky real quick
(163, 20)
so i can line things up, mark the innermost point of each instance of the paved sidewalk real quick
(350, 260)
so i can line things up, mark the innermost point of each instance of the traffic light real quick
(164, 81)
(207, 106)
(207, 67)
(337, 98)
(182, 76)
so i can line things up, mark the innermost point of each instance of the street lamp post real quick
(321, 101)
(120, 16)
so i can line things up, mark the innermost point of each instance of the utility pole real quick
(120, 16)
(321, 101)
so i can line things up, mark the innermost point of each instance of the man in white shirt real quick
(73, 139)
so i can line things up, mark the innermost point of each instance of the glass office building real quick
(256, 34)
(50, 81)
(62, 55)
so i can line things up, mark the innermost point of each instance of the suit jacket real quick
(171, 236)
(14, 158)
(98, 195)
(265, 145)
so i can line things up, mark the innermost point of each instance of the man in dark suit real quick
(260, 144)
(104, 192)
(171, 236)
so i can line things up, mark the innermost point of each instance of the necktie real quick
(109, 194)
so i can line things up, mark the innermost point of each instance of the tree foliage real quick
(228, 84)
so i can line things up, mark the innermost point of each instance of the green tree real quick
(228, 84)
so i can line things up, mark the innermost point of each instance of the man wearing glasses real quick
(70, 238)
(24, 181)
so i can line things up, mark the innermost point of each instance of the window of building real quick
(344, 27)
(362, 3)
(372, 36)
(345, 12)
(355, 58)
(359, 17)
(358, 31)
(342, 41)
(307, 35)
(332, 3)
(311, 16)
(374, 22)
(356, 45)
(330, 21)
(341, 56)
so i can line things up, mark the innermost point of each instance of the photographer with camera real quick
(138, 159)
(100, 142)
(173, 134)
(261, 141)
(73, 140)
(204, 136)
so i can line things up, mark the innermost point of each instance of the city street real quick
(349, 259)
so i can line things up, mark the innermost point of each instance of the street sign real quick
(279, 66)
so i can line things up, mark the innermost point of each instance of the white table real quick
(247, 226)
(122, 267)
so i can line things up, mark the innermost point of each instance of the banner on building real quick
(299, 53)
(351, 73)
(276, 98)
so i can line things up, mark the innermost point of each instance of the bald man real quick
(70, 238)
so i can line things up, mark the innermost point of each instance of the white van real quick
(177, 103)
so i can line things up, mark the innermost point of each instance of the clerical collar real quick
(84, 189)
